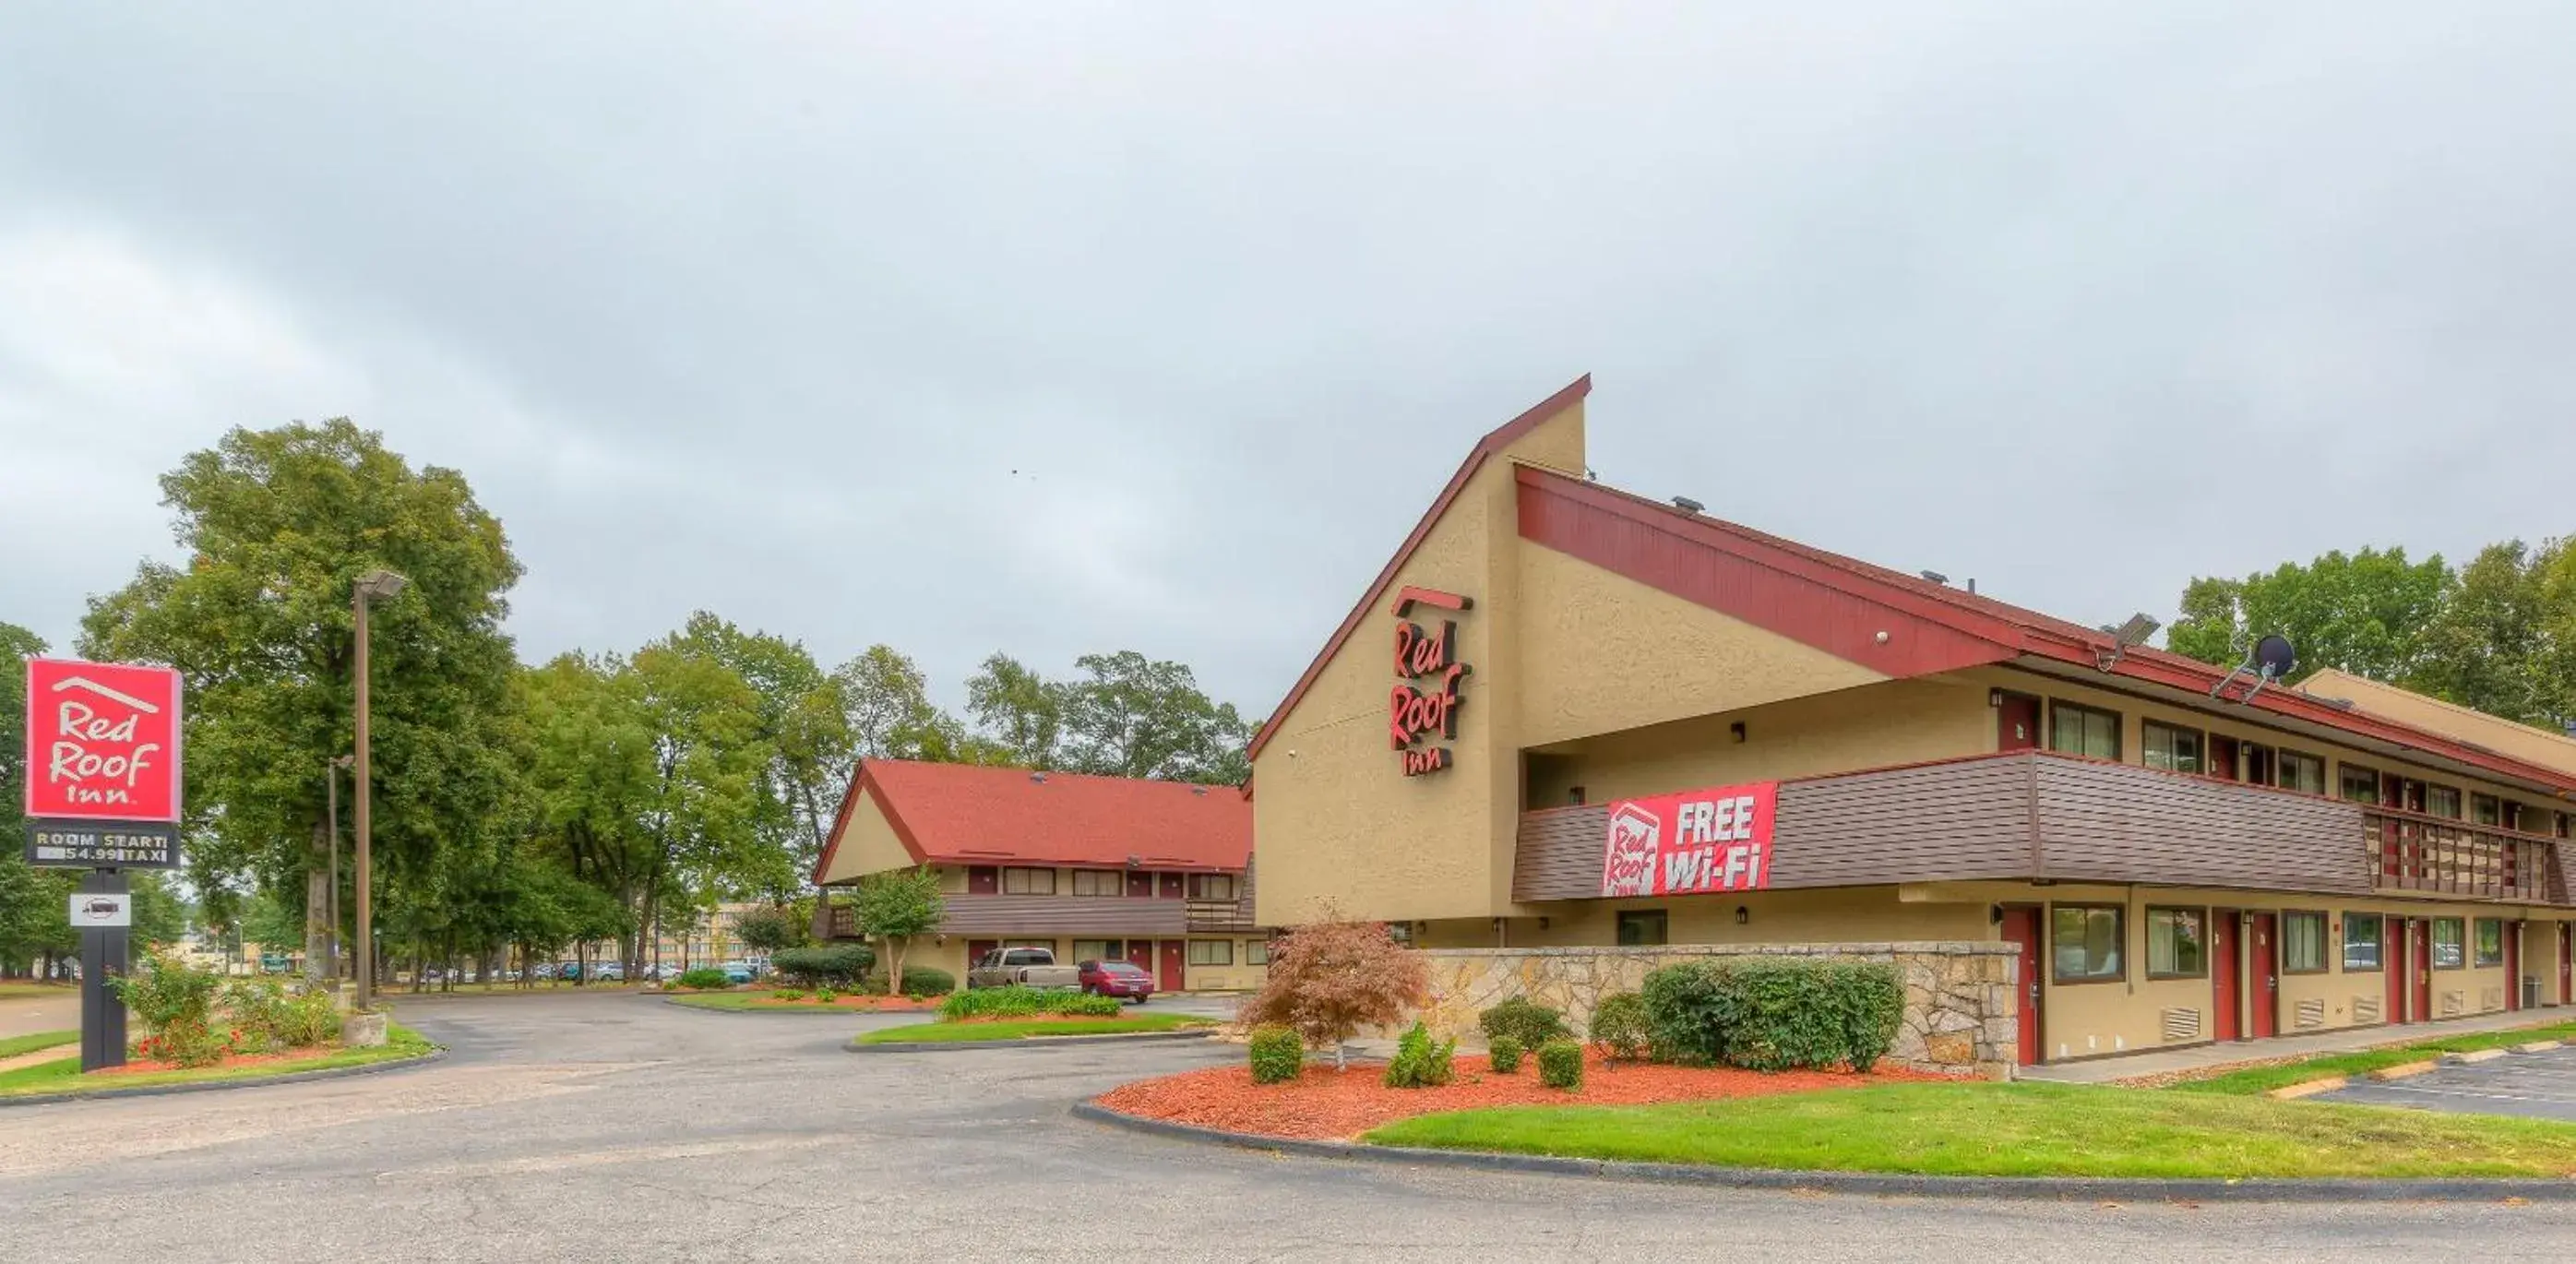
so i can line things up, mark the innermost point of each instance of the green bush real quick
(1420, 1061)
(917, 981)
(830, 965)
(1277, 1055)
(310, 1019)
(256, 1011)
(787, 994)
(1775, 1013)
(1619, 1026)
(826, 995)
(1017, 1001)
(1560, 1063)
(707, 978)
(176, 1004)
(1505, 1054)
(1522, 1020)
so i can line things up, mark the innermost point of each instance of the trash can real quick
(2530, 992)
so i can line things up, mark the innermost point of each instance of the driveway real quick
(614, 1127)
(27, 1015)
(2537, 1085)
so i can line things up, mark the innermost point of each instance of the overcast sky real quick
(1079, 327)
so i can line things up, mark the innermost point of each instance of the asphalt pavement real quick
(2534, 1085)
(615, 1127)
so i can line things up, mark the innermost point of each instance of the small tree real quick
(769, 930)
(1330, 979)
(894, 907)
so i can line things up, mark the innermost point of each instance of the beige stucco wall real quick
(2521, 741)
(950, 955)
(866, 844)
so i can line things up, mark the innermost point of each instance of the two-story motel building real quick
(1563, 714)
(1094, 868)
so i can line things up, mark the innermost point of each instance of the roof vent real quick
(1936, 577)
(1200, 791)
(1688, 505)
(1038, 777)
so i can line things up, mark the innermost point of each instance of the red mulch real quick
(140, 1066)
(1323, 1104)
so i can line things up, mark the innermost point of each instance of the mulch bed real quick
(1325, 1105)
(140, 1066)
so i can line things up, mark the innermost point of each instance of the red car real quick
(1123, 979)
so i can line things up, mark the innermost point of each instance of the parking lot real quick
(2537, 1085)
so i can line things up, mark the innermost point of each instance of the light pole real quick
(331, 779)
(387, 585)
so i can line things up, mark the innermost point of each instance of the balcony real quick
(2041, 816)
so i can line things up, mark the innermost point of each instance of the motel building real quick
(1107, 868)
(1565, 714)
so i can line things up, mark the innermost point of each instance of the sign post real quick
(102, 795)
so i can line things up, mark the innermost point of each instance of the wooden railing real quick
(2410, 851)
(1218, 915)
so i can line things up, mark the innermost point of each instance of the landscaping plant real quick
(706, 978)
(1560, 1063)
(312, 1018)
(1018, 1001)
(787, 994)
(825, 995)
(175, 1003)
(1330, 979)
(257, 1012)
(895, 906)
(918, 981)
(1523, 1020)
(828, 965)
(1774, 1014)
(1420, 1061)
(1504, 1054)
(1277, 1054)
(1619, 1026)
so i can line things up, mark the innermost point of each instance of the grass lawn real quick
(2263, 1079)
(64, 1075)
(2016, 1130)
(20, 988)
(943, 1033)
(12, 1046)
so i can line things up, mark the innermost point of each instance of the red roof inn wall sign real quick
(1691, 843)
(102, 765)
(1422, 709)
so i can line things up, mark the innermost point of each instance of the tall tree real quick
(1019, 711)
(278, 526)
(2365, 613)
(32, 922)
(2483, 648)
(1131, 717)
(804, 727)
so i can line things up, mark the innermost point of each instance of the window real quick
(2490, 943)
(2177, 943)
(2084, 941)
(2173, 749)
(1211, 886)
(1211, 952)
(2442, 801)
(2360, 785)
(1642, 928)
(2447, 949)
(2083, 731)
(1400, 932)
(2485, 810)
(1098, 882)
(2303, 773)
(1094, 949)
(1028, 882)
(2303, 943)
(2361, 935)
(1256, 952)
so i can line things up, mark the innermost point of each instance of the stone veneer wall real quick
(1959, 1010)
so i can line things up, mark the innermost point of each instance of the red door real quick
(976, 948)
(983, 880)
(2224, 972)
(2017, 728)
(2566, 959)
(2265, 989)
(2021, 929)
(2419, 967)
(2222, 757)
(1175, 960)
(1140, 884)
(2513, 965)
(2392, 946)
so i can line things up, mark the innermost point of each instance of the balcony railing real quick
(844, 923)
(2410, 851)
(1215, 916)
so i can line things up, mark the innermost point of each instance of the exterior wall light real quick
(1743, 915)
(1736, 729)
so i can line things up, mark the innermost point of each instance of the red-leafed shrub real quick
(1330, 979)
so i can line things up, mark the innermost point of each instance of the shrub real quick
(1505, 1054)
(176, 1004)
(704, 977)
(826, 995)
(1017, 1001)
(1420, 1061)
(310, 1019)
(1329, 979)
(1277, 1054)
(917, 981)
(770, 930)
(1531, 1024)
(826, 966)
(1560, 1063)
(787, 994)
(1619, 1025)
(1775, 1014)
(256, 1009)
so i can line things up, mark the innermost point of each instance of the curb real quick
(2309, 1088)
(2065, 1188)
(1022, 1042)
(2538, 1046)
(165, 1090)
(2402, 1071)
(2475, 1056)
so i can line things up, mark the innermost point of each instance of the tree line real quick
(605, 795)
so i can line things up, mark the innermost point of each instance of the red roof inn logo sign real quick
(102, 764)
(1423, 706)
(1689, 843)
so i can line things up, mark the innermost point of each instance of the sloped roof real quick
(2468, 724)
(969, 814)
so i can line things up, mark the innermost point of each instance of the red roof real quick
(970, 814)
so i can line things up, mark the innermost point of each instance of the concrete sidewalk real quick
(2216, 1057)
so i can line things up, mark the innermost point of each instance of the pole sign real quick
(102, 765)
(1694, 842)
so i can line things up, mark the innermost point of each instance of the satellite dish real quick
(2273, 657)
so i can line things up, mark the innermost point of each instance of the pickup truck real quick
(1027, 967)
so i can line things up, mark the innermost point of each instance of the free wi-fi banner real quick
(1691, 843)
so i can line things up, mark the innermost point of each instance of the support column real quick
(103, 956)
